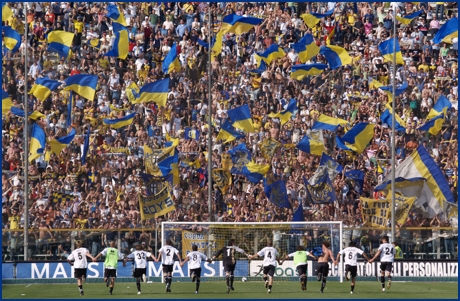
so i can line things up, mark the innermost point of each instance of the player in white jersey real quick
(270, 255)
(78, 260)
(386, 252)
(140, 260)
(351, 262)
(166, 254)
(195, 258)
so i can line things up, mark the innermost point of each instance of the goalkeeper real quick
(228, 256)
(301, 264)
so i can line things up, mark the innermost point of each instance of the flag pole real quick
(26, 148)
(393, 131)
(209, 119)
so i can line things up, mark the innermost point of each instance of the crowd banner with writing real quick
(376, 213)
(203, 241)
(156, 205)
(402, 208)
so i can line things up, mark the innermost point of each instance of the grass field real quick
(247, 290)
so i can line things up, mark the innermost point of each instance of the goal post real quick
(252, 237)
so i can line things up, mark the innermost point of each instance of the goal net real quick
(252, 237)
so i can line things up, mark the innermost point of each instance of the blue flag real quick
(153, 184)
(192, 134)
(322, 192)
(240, 158)
(277, 194)
(356, 177)
(298, 214)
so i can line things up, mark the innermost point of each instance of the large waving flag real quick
(442, 105)
(277, 194)
(332, 166)
(325, 122)
(358, 137)
(43, 88)
(228, 133)
(114, 13)
(202, 43)
(222, 178)
(388, 90)
(82, 84)
(434, 125)
(311, 146)
(335, 56)
(85, 146)
(171, 61)
(170, 166)
(241, 118)
(120, 46)
(37, 142)
(240, 158)
(387, 50)
(35, 115)
(408, 18)
(216, 48)
(271, 53)
(312, 19)
(298, 214)
(6, 103)
(150, 180)
(436, 193)
(356, 178)
(447, 32)
(321, 191)
(260, 69)
(268, 148)
(285, 115)
(192, 134)
(11, 38)
(120, 122)
(255, 172)
(132, 92)
(6, 12)
(387, 117)
(298, 72)
(95, 43)
(306, 48)
(238, 24)
(60, 41)
(407, 187)
(58, 144)
(156, 92)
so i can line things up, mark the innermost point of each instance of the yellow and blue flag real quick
(356, 177)
(447, 32)
(285, 115)
(260, 69)
(271, 53)
(85, 146)
(114, 13)
(216, 47)
(228, 133)
(255, 172)
(298, 72)
(335, 56)
(120, 46)
(82, 84)
(95, 43)
(37, 142)
(32, 115)
(202, 43)
(43, 88)
(240, 158)
(171, 61)
(322, 191)
(434, 125)
(442, 105)
(11, 38)
(132, 92)
(407, 187)
(311, 146)
(6, 12)
(312, 19)
(387, 117)
(120, 122)
(357, 138)
(325, 122)
(156, 92)
(407, 19)
(150, 180)
(60, 41)
(222, 178)
(170, 166)
(388, 90)
(241, 118)
(192, 134)
(277, 194)
(58, 144)
(6, 103)
(238, 24)
(306, 48)
(333, 167)
(387, 50)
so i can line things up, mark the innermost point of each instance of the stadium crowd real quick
(105, 189)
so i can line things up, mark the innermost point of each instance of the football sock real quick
(382, 280)
(169, 279)
(138, 284)
(197, 285)
(231, 280)
(323, 284)
(111, 289)
(80, 288)
(227, 279)
(352, 287)
(303, 279)
(265, 278)
(269, 287)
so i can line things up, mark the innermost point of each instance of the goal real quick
(252, 237)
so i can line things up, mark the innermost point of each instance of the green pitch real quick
(247, 290)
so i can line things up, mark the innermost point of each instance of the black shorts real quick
(386, 266)
(139, 272)
(196, 271)
(167, 268)
(323, 268)
(110, 273)
(78, 273)
(229, 267)
(302, 269)
(269, 270)
(352, 269)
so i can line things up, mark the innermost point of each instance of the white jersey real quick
(140, 258)
(79, 255)
(387, 253)
(269, 254)
(167, 254)
(351, 255)
(195, 258)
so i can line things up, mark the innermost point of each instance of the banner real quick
(152, 157)
(121, 150)
(204, 242)
(222, 178)
(402, 208)
(156, 205)
(58, 197)
(376, 213)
